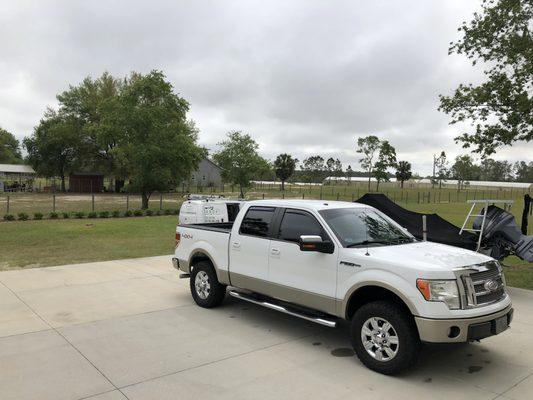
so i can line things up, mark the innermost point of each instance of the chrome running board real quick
(330, 323)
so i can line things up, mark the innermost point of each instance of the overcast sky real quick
(302, 77)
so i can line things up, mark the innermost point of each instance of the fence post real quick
(7, 205)
(337, 196)
(92, 202)
(263, 196)
(127, 202)
(160, 201)
(54, 203)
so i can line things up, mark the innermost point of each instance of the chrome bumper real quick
(465, 329)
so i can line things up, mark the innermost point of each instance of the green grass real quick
(56, 242)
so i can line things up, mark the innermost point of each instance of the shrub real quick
(92, 214)
(103, 214)
(9, 217)
(168, 212)
(38, 215)
(22, 216)
(138, 213)
(53, 215)
(149, 213)
(115, 214)
(175, 211)
(159, 212)
(80, 214)
(66, 215)
(128, 213)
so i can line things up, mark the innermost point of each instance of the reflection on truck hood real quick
(427, 255)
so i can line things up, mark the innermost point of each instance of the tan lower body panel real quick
(285, 293)
(438, 330)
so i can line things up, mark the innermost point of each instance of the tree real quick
(440, 168)
(464, 169)
(349, 173)
(284, 166)
(9, 148)
(492, 170)
(239, 159)
(368, 146)
(158, 147)
(523, 171)
(56, 146)
(501, 108)
(386, 160)
(313, 168)
(95, 103)
(403, 172)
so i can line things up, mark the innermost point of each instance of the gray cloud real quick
(302, 76)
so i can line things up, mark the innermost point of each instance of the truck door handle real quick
(236, 245)
(275, 252)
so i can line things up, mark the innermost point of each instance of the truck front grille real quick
(485, 286)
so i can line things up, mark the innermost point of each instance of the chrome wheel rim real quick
(380, 339)
(202, 286)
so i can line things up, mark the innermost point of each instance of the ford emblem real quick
(491, 285)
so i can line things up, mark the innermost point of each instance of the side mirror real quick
(315, 243)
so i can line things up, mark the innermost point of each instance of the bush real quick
(175, 211)
(128, 213)
(92, 214)
(168, 212)
(159, 212)
(66, 215)
(103, 214)
(149, 213)
(38, 216)
(138, 213)
(115, 214)
(9, 217)
(80, 214)
(53, 215)
(23, 216)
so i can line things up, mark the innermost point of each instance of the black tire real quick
(214, 295)
(404, 332)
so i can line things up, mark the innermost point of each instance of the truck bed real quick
(224, 227)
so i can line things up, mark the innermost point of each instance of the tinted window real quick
(257, 221)
(297, 223)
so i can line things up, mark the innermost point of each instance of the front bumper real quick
(464, 329)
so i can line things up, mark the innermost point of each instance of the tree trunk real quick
(401, 184)
(369, 176)
(282, 185)
(63, 189)
(145, 197)
(377, 186)
(119, 184)
(242, 191)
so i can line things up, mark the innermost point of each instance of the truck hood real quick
(427, 255)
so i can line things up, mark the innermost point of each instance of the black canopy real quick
(438, 229)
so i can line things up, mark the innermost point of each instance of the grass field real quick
(55, 242)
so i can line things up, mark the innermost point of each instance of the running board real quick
(284, 309)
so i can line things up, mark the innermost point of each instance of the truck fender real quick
(205, 250)
(382, 279)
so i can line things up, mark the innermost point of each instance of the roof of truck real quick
(309, 204)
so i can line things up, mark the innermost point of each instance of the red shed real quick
(86, 182)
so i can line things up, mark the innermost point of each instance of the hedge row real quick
(93, 214)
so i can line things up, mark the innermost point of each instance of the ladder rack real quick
(506, 206)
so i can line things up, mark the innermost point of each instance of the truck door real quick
(305, 278)
(248, 250)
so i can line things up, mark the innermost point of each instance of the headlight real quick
(440, 290)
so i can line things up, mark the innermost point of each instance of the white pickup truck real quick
(326, 260)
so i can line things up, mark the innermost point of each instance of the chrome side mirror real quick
(315, 243)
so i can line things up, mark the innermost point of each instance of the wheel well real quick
(367, 294)
(197, 257)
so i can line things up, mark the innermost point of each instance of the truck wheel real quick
(206, 290)
(385, 337)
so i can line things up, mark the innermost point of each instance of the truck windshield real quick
(360, 227)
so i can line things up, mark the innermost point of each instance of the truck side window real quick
(296, 223)
(257, 221)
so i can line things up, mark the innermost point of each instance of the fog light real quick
(454, 332)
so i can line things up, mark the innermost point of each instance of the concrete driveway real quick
(129, 329)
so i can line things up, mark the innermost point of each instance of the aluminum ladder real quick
(486, 202)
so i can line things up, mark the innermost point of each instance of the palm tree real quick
(284, 165)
